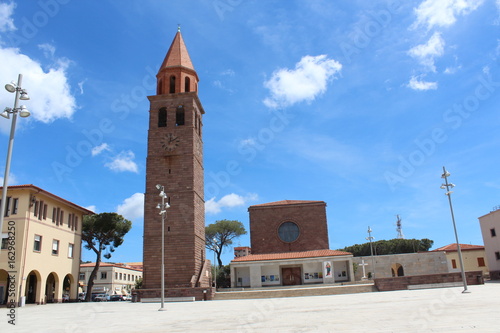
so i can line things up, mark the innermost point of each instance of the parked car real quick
(116, 298)
(65, 298)
(81, 297)
(128, 298)
(100, 298)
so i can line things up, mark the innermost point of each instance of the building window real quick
(55, 247)
(37, 246)
(120, 276)
(35, 210)
(104, 275)
(453, 263)
(288, 232)
(45, 211)
(61, 217)
(15, 203)
(82, 276)
(179, 116)
(116, 276)
(40, 210)
(172, 84)
(480, 262)
(187, 84)
(54, 215)
(497, 255)
(5, 240)
(162, 117)
(76, 223)
(493, 232)
(70, 250)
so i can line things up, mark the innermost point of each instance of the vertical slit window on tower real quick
(162, 117)
(159, 89)
(172, 84)
(187, 83)
(179, 116)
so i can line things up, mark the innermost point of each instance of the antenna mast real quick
(399, 228)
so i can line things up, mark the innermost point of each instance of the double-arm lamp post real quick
(163, 212)
(21, 94)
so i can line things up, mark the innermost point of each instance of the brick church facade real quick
(289, 244)
(175, 161)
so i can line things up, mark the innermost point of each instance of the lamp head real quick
(159, 187)
(24, 111)
(11, 87)
(443, 187)
(446, 174)
(24, 95)
(6, 113)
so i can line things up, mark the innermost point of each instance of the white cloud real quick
(123, 162)
(91, 208)
(132, 208)
(49, 91)
(426, 53)
(304, 83)
(48, 50)
(417, 84)
(6, 21)
(443, 13)
(99, 149)
(230, 200)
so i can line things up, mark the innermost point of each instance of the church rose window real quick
(288, 232)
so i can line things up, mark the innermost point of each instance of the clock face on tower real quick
(170, 141)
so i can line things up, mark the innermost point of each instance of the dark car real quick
(116, 298)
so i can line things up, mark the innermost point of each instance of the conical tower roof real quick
(177, 55)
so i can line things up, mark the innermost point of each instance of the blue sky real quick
(359, 104)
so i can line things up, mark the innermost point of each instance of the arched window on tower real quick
(187, 84)
(162, 117)
(172, 84)
(179, 116)
(159, 87)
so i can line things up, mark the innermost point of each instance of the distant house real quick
(473, 257)
(490, 229)
(112, 279)
(47, 241)
(241, 251)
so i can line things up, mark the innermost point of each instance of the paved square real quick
(429, 310)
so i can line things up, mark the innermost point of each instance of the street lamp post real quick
(21, 94)
(446, 186)
(163, 211)
(370, 238)
(215, 264)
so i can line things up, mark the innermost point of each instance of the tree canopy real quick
(102, 232)
(392, 246)
(221, 234)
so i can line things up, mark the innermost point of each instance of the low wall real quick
(200, 294)
(495, 275)
(402, 282)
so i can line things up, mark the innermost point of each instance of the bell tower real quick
(175, 161)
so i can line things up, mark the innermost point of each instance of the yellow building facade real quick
(474, 257)
(41, 247)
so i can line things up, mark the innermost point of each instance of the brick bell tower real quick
(175, 160)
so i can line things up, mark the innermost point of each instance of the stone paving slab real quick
(430, 310)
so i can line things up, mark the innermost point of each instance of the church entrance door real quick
(291, 276)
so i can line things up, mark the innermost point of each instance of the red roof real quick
(288, 203)
(464, 247)
(38, 189)
(291, 255)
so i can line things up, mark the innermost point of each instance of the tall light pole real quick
(21, 94)
(446, 186)
(370, 238)
(163, 211)
(215, 265)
